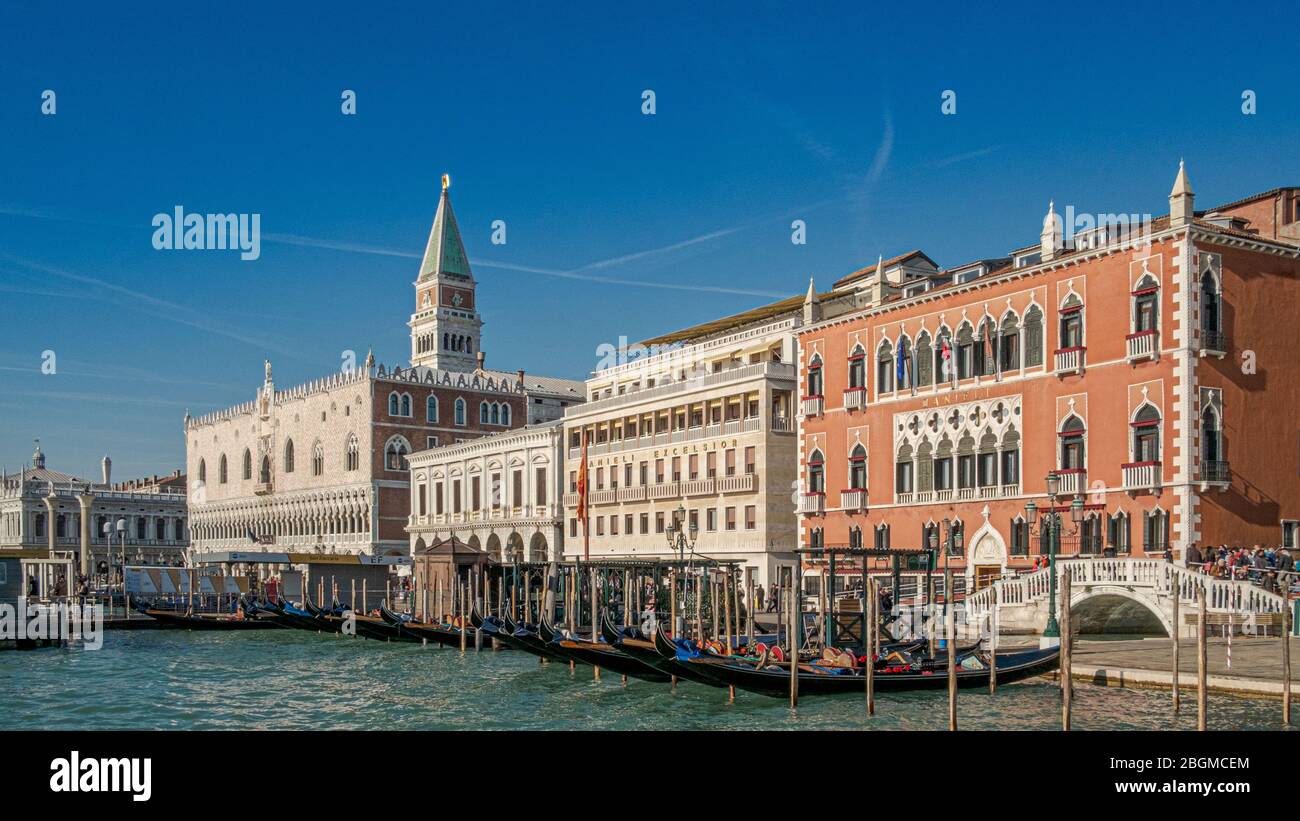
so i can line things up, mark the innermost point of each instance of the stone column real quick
(50, 518)
(86, 500)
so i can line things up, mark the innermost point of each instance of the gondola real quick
(630, 642)
(774, 679)
(211, 621)
(524, 638)
(421, 631)
(598, 654)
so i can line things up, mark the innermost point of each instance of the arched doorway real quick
(537, 548)
(494, 547)
(515, 548)
(988, 558)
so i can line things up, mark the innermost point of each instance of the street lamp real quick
(1049, 535)
(678, 539)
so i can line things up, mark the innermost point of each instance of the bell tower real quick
(446, 330)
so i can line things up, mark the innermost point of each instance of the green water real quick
(168, 679)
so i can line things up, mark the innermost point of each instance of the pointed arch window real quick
(942, 467)
(460, 412)
(815, 376)
(496, 414)
(395, 454)
(1146, 435)
(1212, 338)
(221, 470)
(816, 472)
(1019, 537)
(966, 352)
(903, 470)
(884, 368)
(406, 404)
(203, 470)
(264, 476)
(881, 537)
(317, 459)
(1214, 467)
(1090, 535)
(858, 468)
(394, 404)
(1033, 327)
(1118, 532)
(1146, 305)
(353, 453)
(987, 361)
(945, 357)
(431, 409)
(903, 364)
(857, 368)
(288, 456)
(246, 472)
(1071, 335)
(1074, 454)
(483, 413)
(505, 415)
(924, 360)
(1009, 344)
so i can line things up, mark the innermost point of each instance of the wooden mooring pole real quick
(872, 607)
(1286, 663)
(793, 642)
(464, 592)
(1201, 660)
(993, 641)
(1175, 646)
(951, 647)
(1067, 682)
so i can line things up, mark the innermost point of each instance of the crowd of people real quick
(1271, 568)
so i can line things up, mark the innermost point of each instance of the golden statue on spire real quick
(446, 181)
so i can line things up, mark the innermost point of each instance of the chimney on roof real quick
(1180, 200)
(107, 465)
(812, 310)
(1051, 238)
(521, 377)
(481, 358)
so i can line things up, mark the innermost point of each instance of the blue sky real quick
(618, 224)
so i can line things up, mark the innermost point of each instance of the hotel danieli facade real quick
(323, 467)
(1155, 378)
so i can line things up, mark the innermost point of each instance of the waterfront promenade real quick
(1148, 663)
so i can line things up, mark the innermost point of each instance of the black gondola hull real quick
(1012, 667)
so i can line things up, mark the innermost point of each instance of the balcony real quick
(855, 398)
(1141, 476)
(631, 494)
(1142, 345)
(665, 490)
(813, 504)
(1215, 473)
(603, 497)
(1214, 343)
(813, 405)
(698, 487)
(1069, 360)
(744, 483)
(853, 499)
(264, 488)
(1072, 481)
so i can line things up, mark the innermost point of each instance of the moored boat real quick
(599, 654)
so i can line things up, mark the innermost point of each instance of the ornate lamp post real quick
(676, 532)
(1049, 541)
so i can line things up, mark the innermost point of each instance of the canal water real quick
(285, 680)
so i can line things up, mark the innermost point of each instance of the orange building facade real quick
(1153, 372)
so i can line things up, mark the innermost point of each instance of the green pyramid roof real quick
(445, 253)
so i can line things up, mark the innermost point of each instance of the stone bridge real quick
(1115, 596)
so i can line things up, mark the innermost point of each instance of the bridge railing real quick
(1161, 577)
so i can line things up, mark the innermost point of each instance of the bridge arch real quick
(1113, 609)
